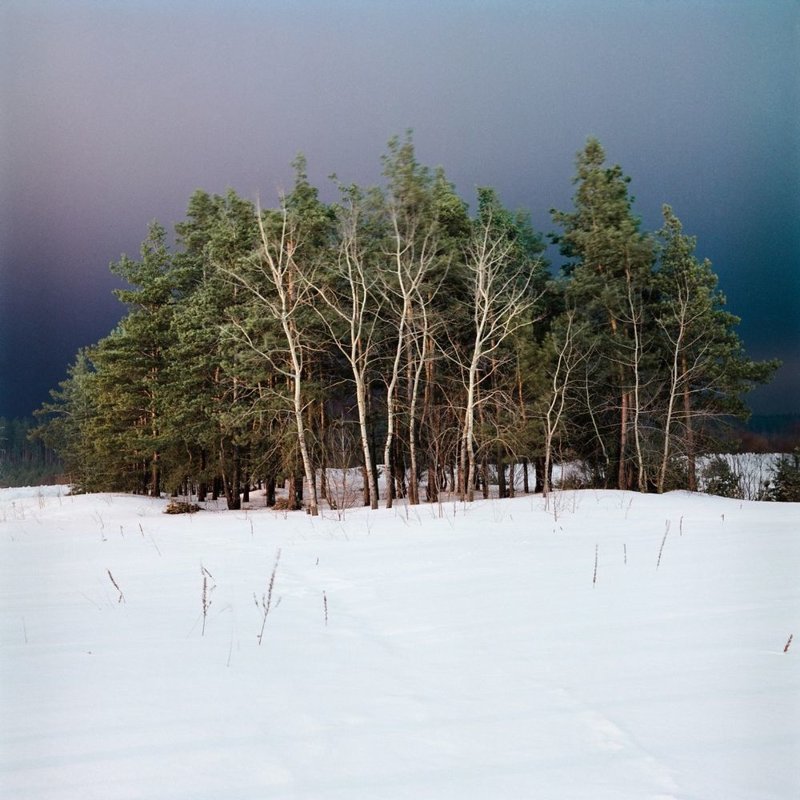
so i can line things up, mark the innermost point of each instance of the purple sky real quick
(112, 113)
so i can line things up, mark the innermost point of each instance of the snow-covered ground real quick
(613, 645)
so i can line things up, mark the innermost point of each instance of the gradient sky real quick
(112, 113)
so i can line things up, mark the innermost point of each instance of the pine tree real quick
(706, 368)
(610, 287)
(210, 401)
(66, 426)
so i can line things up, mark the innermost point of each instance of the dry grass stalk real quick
(206, 596)
(121, 598)
(325, 607)
(663, 542)
(788, 643)
(266, 599)
(596, 553)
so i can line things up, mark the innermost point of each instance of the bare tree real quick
(636, 349)
(568, 356)
(500, 302)
(412, 258)
(678, 334)
(278, 285)
(355, 310)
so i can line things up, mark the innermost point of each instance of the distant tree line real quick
(396, 332)
(25, 460)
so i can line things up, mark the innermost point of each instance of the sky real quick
(112, 113)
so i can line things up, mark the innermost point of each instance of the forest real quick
(396, 332)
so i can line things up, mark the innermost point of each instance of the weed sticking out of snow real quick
(206, 595)
(121, 598)
(663, 542)
(266, 598)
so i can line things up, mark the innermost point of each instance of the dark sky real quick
(112, 113)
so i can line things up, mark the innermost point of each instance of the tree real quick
(501, 299)
(350, 312)
(784, 487)
(279, 280)
(208, 402)
(565, 358)
(131, 362)
(610, 271)
(707, 370)
(416, 260)
(65, 426)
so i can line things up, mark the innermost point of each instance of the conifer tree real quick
(610, 272)
(706, 370)
(209, 401)
(131, 363)
(65, 424)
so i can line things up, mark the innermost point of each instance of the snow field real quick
(468, 651)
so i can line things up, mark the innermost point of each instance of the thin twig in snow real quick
(663, 542)
(121, 598)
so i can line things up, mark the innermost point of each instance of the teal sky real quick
(112, 113)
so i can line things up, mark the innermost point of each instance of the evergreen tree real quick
(785, 484)
(25, 460)
(66, 427)
(209, 402)
(610, 287)
(705, 366)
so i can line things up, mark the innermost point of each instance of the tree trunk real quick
(365, 491)
(371, 487)
(539, 473)
(691, 462)
(622, 481)
(502, 484)
(231, 480)
(155, 476)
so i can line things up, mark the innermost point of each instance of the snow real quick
(469, 651)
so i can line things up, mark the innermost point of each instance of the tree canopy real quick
(393, 332)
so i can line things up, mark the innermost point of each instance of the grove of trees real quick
(395, 332)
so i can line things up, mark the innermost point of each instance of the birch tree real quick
(409, 279)
(280, 278)
(350, 312)
(501, 300)
(566, 358)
